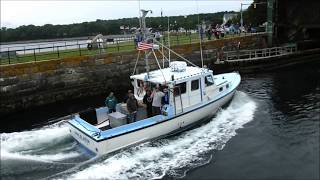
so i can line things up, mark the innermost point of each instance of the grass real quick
(116, 47)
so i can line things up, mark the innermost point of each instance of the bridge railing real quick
(48, 51)
(258, 53)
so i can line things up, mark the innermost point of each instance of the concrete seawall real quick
(38, 83)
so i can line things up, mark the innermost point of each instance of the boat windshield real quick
(209, 80)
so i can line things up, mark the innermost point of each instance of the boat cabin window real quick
(209, 80)
(195, 85)
(227, 86)
(220, 89)
(182, 87)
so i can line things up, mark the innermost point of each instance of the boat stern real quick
(84, 133)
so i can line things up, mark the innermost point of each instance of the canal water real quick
(269, 131)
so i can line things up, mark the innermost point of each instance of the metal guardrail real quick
(253, 54)
(21, 54)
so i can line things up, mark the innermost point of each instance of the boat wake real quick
(176, 155)
(47, 144)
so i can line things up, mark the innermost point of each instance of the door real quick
(181, 97)
(194, 92)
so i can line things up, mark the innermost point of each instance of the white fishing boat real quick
(193, 94)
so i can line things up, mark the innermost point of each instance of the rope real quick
(135, 66)
(177, 54)
(159, 66)
(164, 56)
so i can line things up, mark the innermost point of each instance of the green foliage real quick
(255, 16)
(105, 27)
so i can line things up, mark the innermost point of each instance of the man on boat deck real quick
(111, 102)
(132, 106)
(127, 96)
(147, 99)
(156, 103)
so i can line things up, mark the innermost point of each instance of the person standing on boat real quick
(111, 102)
(132, 106)
(127, 96)
(156, 102)
(165, 98)
(147, 99)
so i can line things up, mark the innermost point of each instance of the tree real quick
(105, 27)
(255, 15)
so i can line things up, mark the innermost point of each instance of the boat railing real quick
(253, 54)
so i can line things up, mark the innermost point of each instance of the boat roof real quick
(164, 77)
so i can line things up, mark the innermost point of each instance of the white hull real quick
(177, 123)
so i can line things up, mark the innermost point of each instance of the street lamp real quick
(241, 19)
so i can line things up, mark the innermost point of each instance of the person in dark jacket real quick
(147, 99)
(132, 106)
(127, 96)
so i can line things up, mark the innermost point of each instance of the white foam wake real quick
(33, 144)
(169, 156)
(42, 158)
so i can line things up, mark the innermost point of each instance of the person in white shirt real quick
(89, 43)
(156, 103)
(157, 36)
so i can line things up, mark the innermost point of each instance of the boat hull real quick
(176, 124)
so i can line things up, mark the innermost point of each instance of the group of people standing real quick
(132, 105)
(153, 101)
(217, 31)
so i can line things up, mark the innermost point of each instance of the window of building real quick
(194, 85)
(209, 80)
(183, 89)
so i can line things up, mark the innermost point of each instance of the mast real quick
(200, 27)
(144, 32)
(169, 38)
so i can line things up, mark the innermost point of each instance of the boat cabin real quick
(186, 85)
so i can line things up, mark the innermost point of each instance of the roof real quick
(162, 78)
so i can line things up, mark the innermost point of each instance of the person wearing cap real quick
(147, 100)
(127, 96)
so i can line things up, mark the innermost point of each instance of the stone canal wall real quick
(38, 83)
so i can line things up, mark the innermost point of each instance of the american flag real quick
(142, 46)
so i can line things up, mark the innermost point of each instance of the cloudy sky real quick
(39, 12)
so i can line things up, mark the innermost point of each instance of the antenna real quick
(200, 35)
(139, 14)
(162, 28)
(169, 38)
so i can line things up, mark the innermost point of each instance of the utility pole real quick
(270, 21)
(241, 18)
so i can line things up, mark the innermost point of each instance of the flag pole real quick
(144, 31)
(162, 28)
(169, 38)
